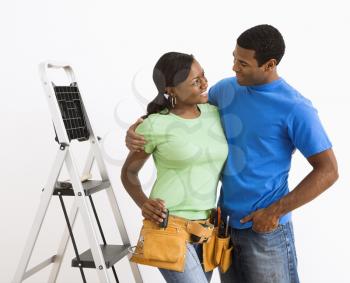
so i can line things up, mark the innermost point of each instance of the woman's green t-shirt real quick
(189, 155)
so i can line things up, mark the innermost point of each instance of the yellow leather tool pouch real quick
(209, 252)
(226, 258)
(159, 247)
(220, 246)
(217, 252)
(223, 253)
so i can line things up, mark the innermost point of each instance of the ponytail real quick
(157, 105)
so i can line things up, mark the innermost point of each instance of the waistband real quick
(184, 221)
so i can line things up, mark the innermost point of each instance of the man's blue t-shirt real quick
(263, 125)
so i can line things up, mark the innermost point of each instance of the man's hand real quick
(323, 175)
(154, 210)
(133, 141)
(264, 220)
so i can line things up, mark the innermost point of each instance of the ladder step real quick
(111, 254)
(90, 187)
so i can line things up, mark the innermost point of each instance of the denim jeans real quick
(193, 272)
(263, 257)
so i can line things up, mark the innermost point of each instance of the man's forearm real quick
(315, 183)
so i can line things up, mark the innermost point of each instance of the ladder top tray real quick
(90, 187)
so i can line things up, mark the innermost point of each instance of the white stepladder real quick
(71, 123)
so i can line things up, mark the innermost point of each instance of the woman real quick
(185, 138)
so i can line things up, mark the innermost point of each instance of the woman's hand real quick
(154, 210)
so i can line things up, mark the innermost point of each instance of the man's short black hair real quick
(265, 40)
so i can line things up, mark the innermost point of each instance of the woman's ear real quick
(169, 90)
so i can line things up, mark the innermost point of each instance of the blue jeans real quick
(263, 257)
(193, 272)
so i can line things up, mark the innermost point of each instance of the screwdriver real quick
(219, 217)
(227, 221)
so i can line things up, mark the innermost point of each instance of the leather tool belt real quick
(166, 247)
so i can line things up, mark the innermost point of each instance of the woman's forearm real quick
(152, 209)
(133, 186)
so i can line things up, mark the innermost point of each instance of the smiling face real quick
(247, 70)
(192, 91)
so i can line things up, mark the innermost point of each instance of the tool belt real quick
(166, 247)
(217, 252)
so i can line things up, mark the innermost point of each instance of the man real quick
(265, 120)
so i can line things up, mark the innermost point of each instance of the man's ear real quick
(270, 65)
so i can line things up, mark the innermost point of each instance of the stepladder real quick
(71, 124)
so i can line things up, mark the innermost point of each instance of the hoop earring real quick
(173, 101)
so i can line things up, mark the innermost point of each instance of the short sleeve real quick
(146, 129)
(222, 93)
(306, 131)
(213, 94)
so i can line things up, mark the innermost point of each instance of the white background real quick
(113, 46)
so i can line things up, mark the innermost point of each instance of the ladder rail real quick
(88, 221)
(40, 216)
(51, 98)
(95, 154)
(111, 195)
(72, 236)
(63, 245)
